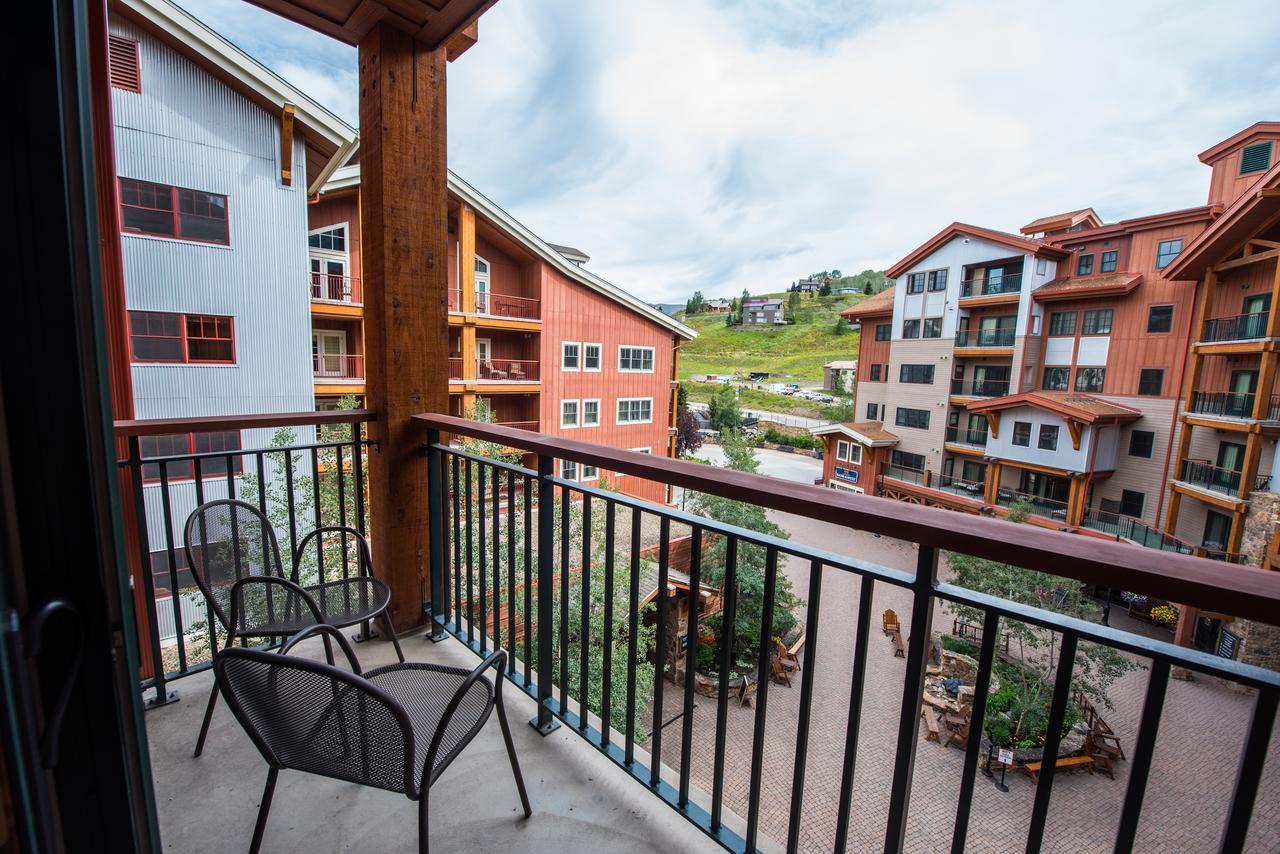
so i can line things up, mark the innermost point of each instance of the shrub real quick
(952, 643)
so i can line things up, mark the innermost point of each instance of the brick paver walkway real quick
(1199, 745)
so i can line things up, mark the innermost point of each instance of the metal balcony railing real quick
(980, 388)
(455, 368)
(985, 338)
(1241, 327)
(1009, 284)
(974, 489)
(507, 370)
(495, 304)
(1233, 404)
(337, 366)
(1205, 475)
(965, 436)
(1049, 508)
(1135, 530)
(909, 475)
(329, 288)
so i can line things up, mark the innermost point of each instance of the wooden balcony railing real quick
(337, 366)
(495, 304)
(507, 370)
(328, 288)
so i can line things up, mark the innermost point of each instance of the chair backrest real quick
(227, 540)
(314, 717)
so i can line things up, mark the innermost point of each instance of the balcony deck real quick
(581, 801)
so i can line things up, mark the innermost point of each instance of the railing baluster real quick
(690, 662)
(471, 592)
(912, 696)
(210, 616)
(566, 500)
(1252, 760)
(607, 637)
(511, 572)
(633, 629)
(660, 650)
(528, 579)
(584, 624)
(342, 514)
(1052, 738)
(483, 566)
(317, 513)
(762, 696)
(288, 488)
(856, 685)
(544, 722)
(728, 642)
(977, 716)
(170, 554)
(162, 695)
(437, 526)
(495, 482)
(1143, 751)
(806, 704)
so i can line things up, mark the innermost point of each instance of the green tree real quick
(725, 413)
(696, 304)
(825, 290)
(841, 411)
(793, 305)
(841, 327)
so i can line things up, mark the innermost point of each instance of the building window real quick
(1109, 260)
(1097, 322)
(568, 413)
(1131, 503)
(1056, 379)
(1160, 318)
(161, 210)
(921, 374)
(884, 331)
(933, 327)
(915, 283)
(1048, 440)
(158, 336)
(1042, 266)
(568, 470)
(1166, 251)
(570, 356)
(1151, 382)
(635, 359)
(873, 412)
(635, 410)
(1090, 379)
(590, 357)
(1084, 265)
(875, 373)
(1141, 443)
(911, 329)
(903, 459)
(848, 452)
(122, 57)
(591, 413)
(1255, 158)
(1022, 433)
(918, 418)
(329, 239)
(1062, 323)
(938, 280)
(181, 444)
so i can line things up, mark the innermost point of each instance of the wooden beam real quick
(1265, 244)
(1273, 319)
(1237, 530)
(404, 241)
(993, 483)
(1252, 457)
(1075, 428)
(1266, 381)
(463, 40)
(286, 145)
(467, 260)
(1269, 193)
(1247, 260)
(1171, 520)
(993, 421)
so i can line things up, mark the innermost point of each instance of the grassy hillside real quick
(795, 352)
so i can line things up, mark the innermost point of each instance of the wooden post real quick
(467, 291)
(404, 241)
(1249, 471)
(993, 482)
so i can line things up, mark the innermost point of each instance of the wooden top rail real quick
(1241, 591)
(212, 423)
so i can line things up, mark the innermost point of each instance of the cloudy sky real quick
(729, 144)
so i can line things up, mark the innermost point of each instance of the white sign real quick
(1006, 757)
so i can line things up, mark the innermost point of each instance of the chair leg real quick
(391, 633)
(261, 826)
(208, 716)
(511, 750)
(424, 836)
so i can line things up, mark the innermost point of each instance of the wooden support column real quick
(286, 144)
(993, 483)
(467, 291)
(404, 241)
(1175, 504)
(1077, 496)
(1249, 472)
(1237, 530)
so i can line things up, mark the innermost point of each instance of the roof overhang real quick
(960, 229)
(1252, 213)
(431, 22)
(1088, 287)
(329, 137)
(1062, 405)
(850, 431)
(1142, 223)
(1209, 155)
(1057, 222)
(881, 303)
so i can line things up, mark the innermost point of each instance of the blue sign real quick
(850, 475)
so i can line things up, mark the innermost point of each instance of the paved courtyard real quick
(1199, 744)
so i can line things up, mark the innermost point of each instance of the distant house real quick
(718, 306)
(762, 312)
(846, 291)
(840, 375)
(809, 286)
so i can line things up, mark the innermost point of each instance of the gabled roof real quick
(1237, 139)
(1086, 287)
(1245, 217)
(881, 303)
(1141, 223)
(842, 365)
(1057, 222)
(960, 229)
(869, 433)
(1073, 405)
(328, 136)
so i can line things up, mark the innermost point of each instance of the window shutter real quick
(122, 57)
(1255, 158)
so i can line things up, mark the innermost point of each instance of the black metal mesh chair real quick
(395, 728)
(232, 551)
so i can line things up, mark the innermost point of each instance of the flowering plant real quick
(1165, 615)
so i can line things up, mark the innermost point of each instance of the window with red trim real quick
(122, 57)
(162, 336)
(162, 210)
(184, 444)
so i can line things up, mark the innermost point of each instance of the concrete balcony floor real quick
(581, 801)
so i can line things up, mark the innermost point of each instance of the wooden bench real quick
(931, 721)
(1068, 762)
(890, 622)
(898, 651)
(794, 650)
(789, 657)
(957, 730)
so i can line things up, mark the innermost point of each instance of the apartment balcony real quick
(1008, 287)
(979, 388)
(1240, 328)
(973, 489)
(336, 289)
(964, 436)
(985, 342)
(1047, 508)
(1204, 475)
(507, 370)
(499, 306)
(1134, 530)
(337, 367)
(1232, 404)
(557, 571)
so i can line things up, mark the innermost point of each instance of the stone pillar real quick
(1259, 642)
